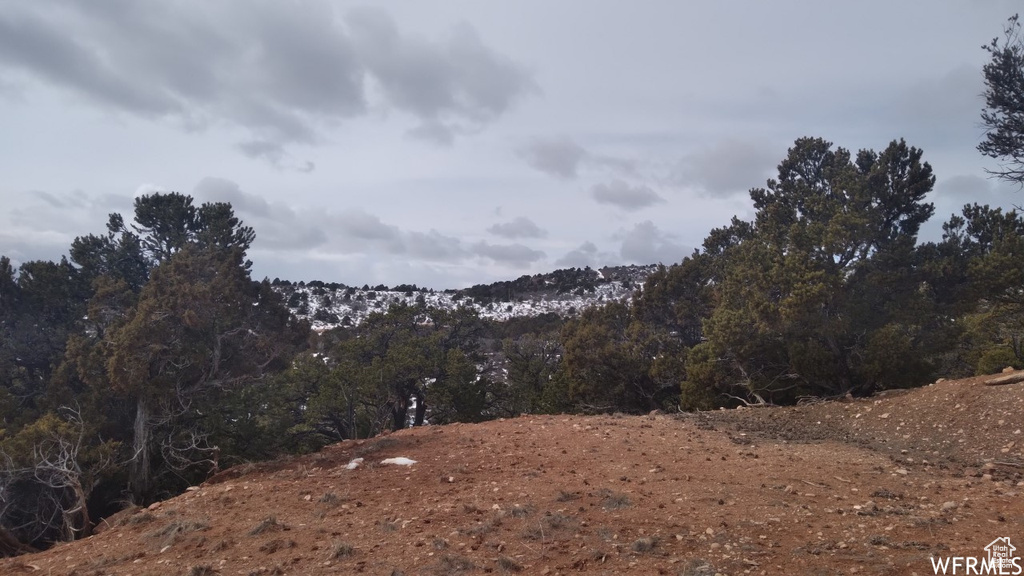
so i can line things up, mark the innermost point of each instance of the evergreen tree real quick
(1003, 115)
(825, 282)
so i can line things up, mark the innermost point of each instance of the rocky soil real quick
(870, 486)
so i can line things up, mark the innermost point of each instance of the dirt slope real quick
(872, 486)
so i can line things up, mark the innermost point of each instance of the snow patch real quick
(400, 461)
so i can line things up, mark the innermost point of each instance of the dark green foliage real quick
(981, 262)
(614, 361)
(1003, 116)
(824, 279)
(533, 383)
(402, 367)
(128, 367)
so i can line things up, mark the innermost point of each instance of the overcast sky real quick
(454, 142)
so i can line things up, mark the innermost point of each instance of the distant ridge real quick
(564, 292)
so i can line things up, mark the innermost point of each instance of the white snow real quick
(352, 305)
(400, 461)
(354, 464)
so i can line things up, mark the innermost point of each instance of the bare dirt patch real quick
(872, 486)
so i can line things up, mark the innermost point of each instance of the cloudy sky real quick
(456, 142)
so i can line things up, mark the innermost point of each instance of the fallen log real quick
(1008, 379)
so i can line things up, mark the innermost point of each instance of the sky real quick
(451, 143)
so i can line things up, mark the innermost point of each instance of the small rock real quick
(949, 506)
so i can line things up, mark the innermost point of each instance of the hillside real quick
(562, 292)
(867, 486)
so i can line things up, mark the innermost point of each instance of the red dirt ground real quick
(870, 486)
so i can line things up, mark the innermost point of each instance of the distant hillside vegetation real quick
(563, 292)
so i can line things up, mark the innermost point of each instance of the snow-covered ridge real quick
(563, 292)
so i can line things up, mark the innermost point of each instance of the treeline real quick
(149, 359)
(826, 292)
(578, 281)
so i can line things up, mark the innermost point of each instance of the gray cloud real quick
(515, 255)
(362, 225)
(281, 71)
(212, 189)
(521, 227)
(277, 225)
(562, 157)
(448, 85)
(951, 194)
(282, 229)
(559, 157)
(943, 109)
(622, 195)
(585, 255)
(970, 188)
(646, 244)
(42, 225)
(434, 246)
(728, 168)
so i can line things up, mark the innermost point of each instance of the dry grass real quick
(173, 532)
(518, 511)
(509, 565)
(547, 526)
(641, 545)
(375, 446)
(564, 496)
(480, 529)
(277, 544)
(614, 500)
(330, 499)
(138, 519)
(268, 524)
(339, 550)
(698, 567)
(450, 565)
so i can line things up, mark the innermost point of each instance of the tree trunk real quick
(399, 413)
(139, 479)
(421, 408)
(11, 546)
(82, 508)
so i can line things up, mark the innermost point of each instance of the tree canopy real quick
(1003, 115)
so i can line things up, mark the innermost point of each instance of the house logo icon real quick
(1000, 552)
(1000, 561)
